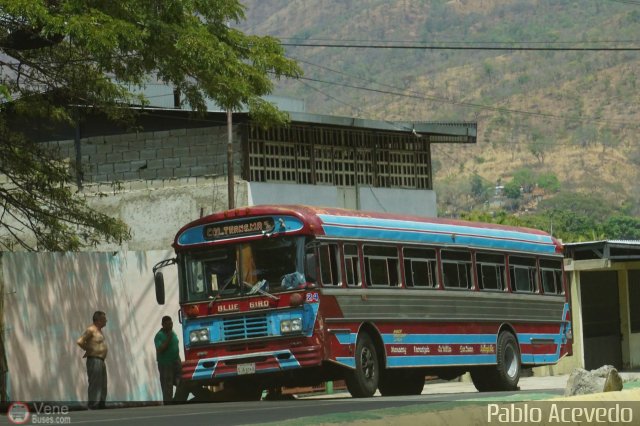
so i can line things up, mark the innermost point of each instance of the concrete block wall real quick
(171, 154)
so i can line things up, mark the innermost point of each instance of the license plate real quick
(249, 368)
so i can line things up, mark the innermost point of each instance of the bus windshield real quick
(270, 265)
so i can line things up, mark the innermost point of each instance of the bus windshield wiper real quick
(224, 287)
(257, 288)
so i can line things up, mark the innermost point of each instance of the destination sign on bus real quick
(238, 228)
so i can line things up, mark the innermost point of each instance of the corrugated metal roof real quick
(634, 243)
(160, 96)
(614, 250)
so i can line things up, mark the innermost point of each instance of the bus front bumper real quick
(269, 361)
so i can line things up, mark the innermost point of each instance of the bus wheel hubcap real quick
(367, 363)
(510, 361)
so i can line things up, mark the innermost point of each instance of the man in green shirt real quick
(168, 356)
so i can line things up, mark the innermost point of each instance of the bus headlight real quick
(199, 336)
(293, 325)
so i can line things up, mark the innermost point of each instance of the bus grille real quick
(245, 327)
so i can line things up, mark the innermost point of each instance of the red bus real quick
(277, 296)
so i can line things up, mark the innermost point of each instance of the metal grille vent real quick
(245, 327)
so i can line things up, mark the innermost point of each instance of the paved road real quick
(246, 413)
(447, 394)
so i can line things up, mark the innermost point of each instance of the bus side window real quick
(456, 269)
(522, 271)
(420, 267)
(381, 265)
(491, 271)
(329, 270)
(551, 274)
(352, 265)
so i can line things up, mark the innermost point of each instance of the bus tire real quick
(504, 376)
(390, 383)
(482, 378)
(509, 367)
(401, 382)
(362, 382)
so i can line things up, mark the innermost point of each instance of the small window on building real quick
(491, 271)
(551, 275)
(329, 270)
(456, 269)
(381, 265)
(420, 267)
(522, 271)
(352, 265)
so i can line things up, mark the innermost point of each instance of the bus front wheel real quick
(362, 382)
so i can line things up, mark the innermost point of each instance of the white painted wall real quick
(155, 214)
(49, 301)
(417, 202)
(391, 200)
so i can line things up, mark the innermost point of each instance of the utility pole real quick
(230, 181)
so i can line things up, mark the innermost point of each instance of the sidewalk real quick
(526, 384)
(476, 413)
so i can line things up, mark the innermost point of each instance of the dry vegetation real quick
(572, 114)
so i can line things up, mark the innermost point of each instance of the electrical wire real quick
(451, 47)
(448, 100)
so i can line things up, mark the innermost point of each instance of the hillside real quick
(569, 114)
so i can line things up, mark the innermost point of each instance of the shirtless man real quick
(92, 342)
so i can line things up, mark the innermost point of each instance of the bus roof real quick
(343, 224)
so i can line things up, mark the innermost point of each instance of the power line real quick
(637, 3)
(452, 101)
(358, 109)
(475, 105)
(404, 128)
(461, 42)
(451, 47)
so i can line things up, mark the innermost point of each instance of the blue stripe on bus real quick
(454, 339)
(421, 237)
(202, 372)
(349, 227)
(445, 228)
(421, 360)
(563, 330)
(291, 362)
(349, 361)
(423, 339)
(539, 358)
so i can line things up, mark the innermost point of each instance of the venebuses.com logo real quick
(18, 413)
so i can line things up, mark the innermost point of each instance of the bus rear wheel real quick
(401, 382)
(505, 375)
(362, 382)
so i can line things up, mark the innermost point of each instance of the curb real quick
(478, 414)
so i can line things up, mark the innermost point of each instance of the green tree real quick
(60, 58)
(622, 228)
(512, 189)
(479, 188)
(549, 182)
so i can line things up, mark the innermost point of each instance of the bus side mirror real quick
(159, 281)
